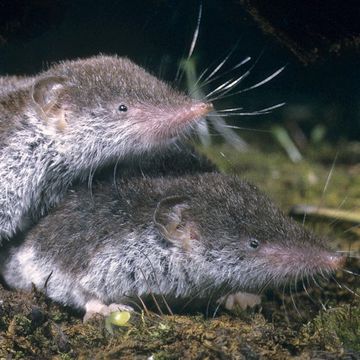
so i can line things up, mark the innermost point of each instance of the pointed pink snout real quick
(201, 109)
(336, 261)
(194, 112)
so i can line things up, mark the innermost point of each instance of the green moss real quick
(291, 183)
(337, 328)
(163, 355)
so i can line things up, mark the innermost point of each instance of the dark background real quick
(317, 41)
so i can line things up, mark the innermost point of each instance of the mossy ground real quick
(323, 323)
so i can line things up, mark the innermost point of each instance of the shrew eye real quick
(122, 108)
(253, 243)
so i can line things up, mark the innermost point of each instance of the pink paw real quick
(94, 307)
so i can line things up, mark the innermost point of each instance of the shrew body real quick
(65, 122)
(186, 237)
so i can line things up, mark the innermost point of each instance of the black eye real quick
(122, 107)
(254, 243)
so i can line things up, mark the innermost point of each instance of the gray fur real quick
(13, 83)
(180, 237)
(64, 123)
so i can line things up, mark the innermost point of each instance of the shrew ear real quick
(46, 94)
(174, 222)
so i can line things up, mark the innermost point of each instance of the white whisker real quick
(345, 287)
(196, 32)
(220, 87)
(329, 176)
(206, 81)
(351, 228)
(277, 72)
(179, 73)
(232, 84)
(313, 279)
(210, 78)
(307, 293)
(231, 109)
(245, 128)
(350, 272)
(283, 302)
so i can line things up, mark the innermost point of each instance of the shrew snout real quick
(201, 109)
(192, 113)
(335, 261)
(294, 260)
